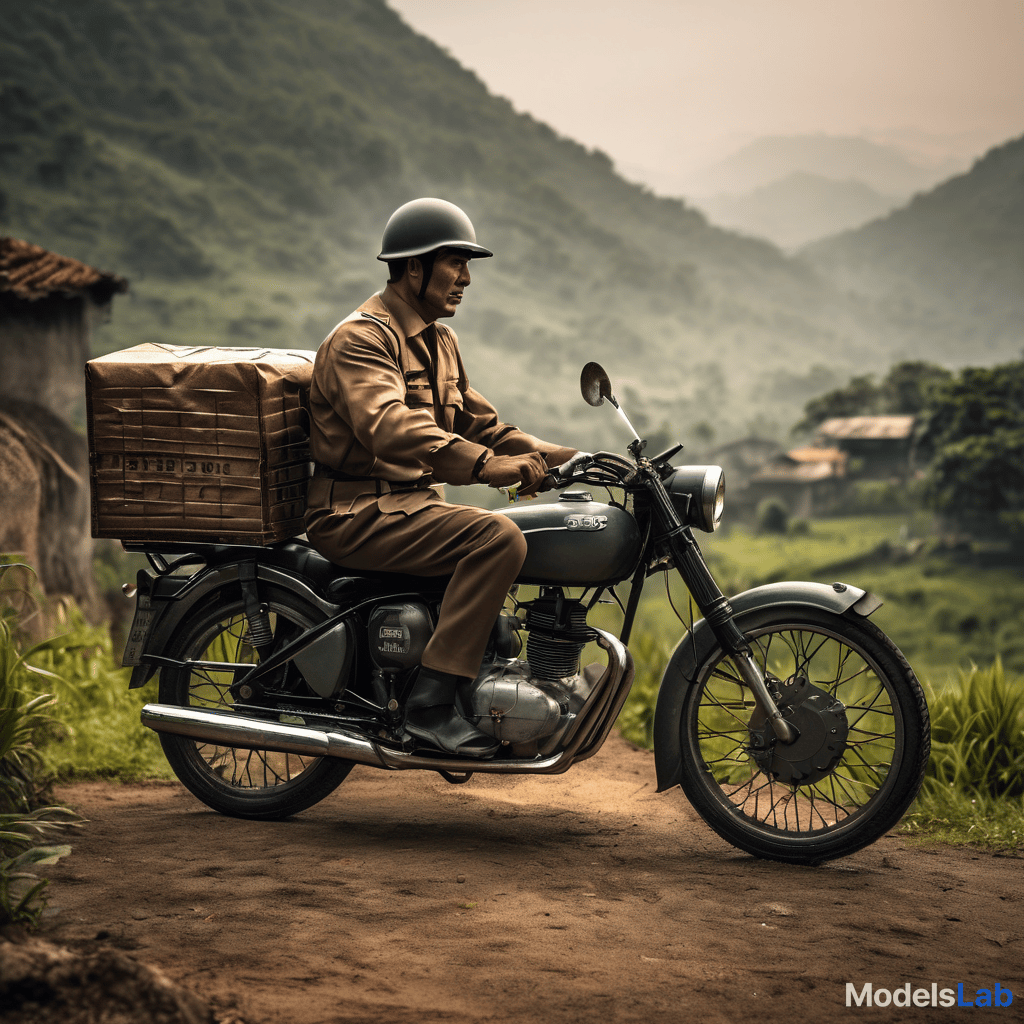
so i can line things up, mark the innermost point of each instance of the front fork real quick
(716, 609)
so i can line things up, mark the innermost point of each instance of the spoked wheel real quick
(861, 752)
(259, 784)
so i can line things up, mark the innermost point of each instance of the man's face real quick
(447, 283)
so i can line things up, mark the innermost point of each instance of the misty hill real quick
(798, 209)
(838, 158)
(950, 265)
(236, 161)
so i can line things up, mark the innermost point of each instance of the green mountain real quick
(236, 161)
(949, 267)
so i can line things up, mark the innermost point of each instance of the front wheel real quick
(259, 784)
(857, 764)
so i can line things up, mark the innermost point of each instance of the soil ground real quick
(577, 898)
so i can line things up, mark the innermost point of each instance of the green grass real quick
(974, 791)
(97, 732)
(27, 820)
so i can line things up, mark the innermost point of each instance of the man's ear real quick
(414, 269)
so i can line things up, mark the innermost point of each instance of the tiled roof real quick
(812, 454)
(796, 473)
(30, 272)
(875, 427)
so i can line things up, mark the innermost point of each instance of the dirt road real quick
(583, 897)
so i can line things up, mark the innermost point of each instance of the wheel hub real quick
(821, 722)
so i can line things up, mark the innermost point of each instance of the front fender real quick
(695, 646)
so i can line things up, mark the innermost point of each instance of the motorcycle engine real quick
(530, 705)
(558, 632)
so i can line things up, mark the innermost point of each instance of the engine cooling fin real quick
(557, 633)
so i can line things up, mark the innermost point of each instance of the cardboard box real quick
(198, 444)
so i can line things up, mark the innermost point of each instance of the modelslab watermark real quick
(930, 995)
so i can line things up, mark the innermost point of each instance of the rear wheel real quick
(259, 784)
(858, 762)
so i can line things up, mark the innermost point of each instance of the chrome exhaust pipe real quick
(230, 730)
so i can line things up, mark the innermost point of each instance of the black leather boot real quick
(431, 716)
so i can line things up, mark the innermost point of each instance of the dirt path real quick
(583, 897)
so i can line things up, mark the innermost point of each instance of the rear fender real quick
(693, 649)
(174, 597)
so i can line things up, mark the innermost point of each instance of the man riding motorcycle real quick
(392, 416)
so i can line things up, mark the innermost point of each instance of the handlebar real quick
(604, 469)
(562, 476)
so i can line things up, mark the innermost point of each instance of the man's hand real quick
(505, 470)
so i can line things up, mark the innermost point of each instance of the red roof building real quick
(48, 304)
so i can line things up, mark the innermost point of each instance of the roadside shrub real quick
(978, 734)
(26, 819)
(101, 735)
(880, 497)
(773, 516)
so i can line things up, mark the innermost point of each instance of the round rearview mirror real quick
(594, 384)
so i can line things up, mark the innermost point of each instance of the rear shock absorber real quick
(257, 614)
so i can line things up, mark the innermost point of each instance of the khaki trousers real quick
(424, 535)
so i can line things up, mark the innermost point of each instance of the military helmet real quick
(425, 225)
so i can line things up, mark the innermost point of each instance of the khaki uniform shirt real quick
(381, 409)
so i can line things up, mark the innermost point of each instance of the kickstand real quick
(455, 780)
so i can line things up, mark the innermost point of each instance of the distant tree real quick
(772, 516)
(908, 387)
(858, 398)
(973, 437)
(703, 432)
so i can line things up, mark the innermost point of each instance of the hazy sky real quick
(671, 85)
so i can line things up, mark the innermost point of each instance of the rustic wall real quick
(44, 346)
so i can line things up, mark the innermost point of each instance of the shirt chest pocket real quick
(451, 402)
(420, 395)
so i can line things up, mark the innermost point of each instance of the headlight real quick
(698, 493)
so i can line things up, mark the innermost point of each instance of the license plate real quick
(141, 625)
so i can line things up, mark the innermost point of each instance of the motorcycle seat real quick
(337, 580)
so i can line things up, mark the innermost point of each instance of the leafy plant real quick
(974, 789)
(25, 818)
(773, 516)
(97, 731)
(978, 735)
(21, 890)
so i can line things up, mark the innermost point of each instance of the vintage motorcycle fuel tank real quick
(577, 541)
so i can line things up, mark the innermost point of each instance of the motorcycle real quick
(794, 725)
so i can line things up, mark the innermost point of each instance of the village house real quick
(878, 447)
(48, 304)
(809, 481)
(813, 480)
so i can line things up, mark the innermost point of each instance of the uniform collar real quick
(388, 305)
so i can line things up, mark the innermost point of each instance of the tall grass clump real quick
(27, 820)
(974, 788)
(102, 736)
